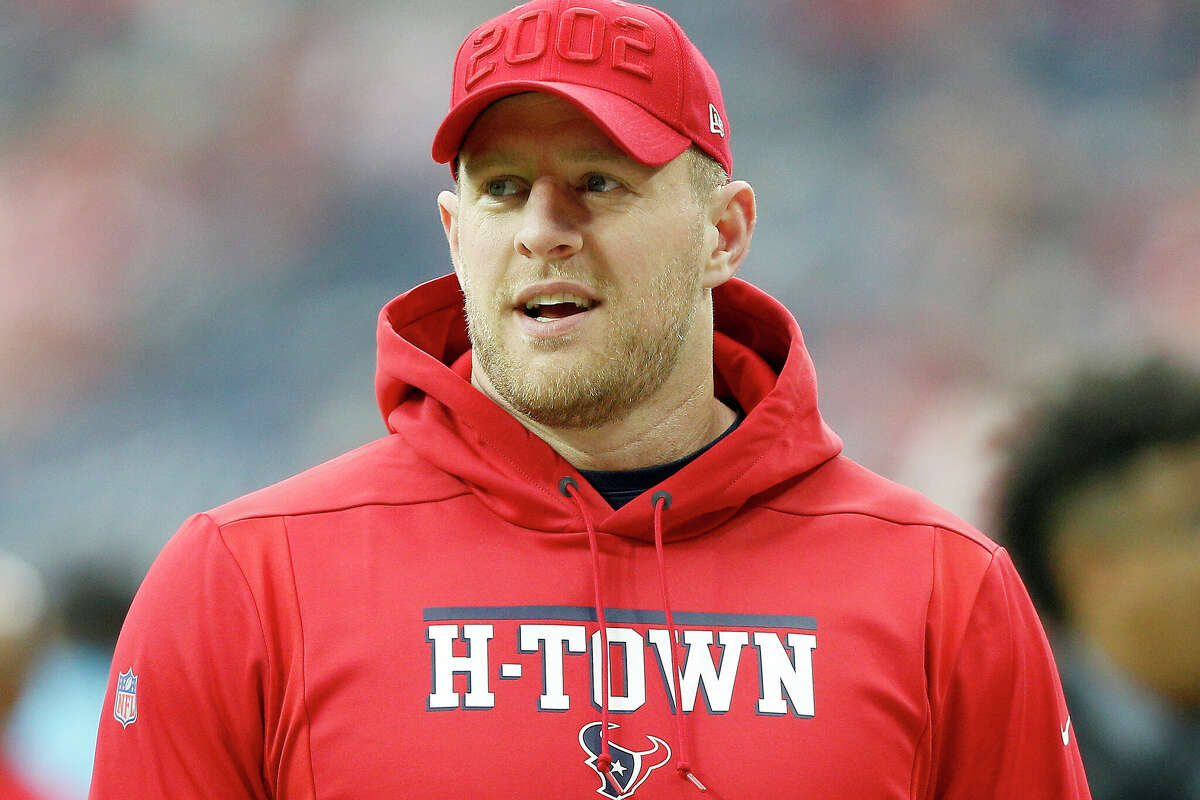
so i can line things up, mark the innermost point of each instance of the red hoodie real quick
(12, 786)
(418, 618)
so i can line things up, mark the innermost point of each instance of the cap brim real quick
(639, 133)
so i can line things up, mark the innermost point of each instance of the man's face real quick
(582, 269)
(1127, 550)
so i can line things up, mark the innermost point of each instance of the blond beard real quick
(641, 349)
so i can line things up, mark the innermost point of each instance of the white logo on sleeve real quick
(1066, 732)
(125, 705)
(715, 123)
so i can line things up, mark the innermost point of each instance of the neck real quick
(662, 429)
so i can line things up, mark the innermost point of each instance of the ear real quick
(733, 213)
(448, 209)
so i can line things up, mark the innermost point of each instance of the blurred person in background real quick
(1100, 507)
(23, 625)
(52, 732)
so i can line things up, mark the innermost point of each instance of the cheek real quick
(483, 246)
(653, 240)
(1144, 613)
(669, 229)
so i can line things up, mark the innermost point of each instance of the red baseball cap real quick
(629, 67)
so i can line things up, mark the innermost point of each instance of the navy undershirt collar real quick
(618, 487)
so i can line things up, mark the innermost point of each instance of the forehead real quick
(535, 124)
(1152, 492)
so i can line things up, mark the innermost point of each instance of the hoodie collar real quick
(424, 391)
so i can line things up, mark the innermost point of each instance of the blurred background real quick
(203, 207)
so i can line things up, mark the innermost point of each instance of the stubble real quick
(648, 323)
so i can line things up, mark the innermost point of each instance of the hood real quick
(424, 391)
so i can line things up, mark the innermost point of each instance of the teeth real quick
(554, 299)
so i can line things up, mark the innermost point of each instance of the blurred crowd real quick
(203, 207)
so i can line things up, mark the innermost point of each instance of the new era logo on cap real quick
(715, 123)
(629, 67)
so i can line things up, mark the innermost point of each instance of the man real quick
(1101, 510)
(609, 547)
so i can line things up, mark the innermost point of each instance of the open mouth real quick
(549, 307)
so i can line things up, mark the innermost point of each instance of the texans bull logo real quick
(630, 768)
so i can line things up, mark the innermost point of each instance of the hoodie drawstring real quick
(662, 501)
(570, 488)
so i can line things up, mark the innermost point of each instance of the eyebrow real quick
(589, 155)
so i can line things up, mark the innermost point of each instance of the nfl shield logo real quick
(125, 706)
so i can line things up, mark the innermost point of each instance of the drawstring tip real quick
(691, 776)
(685, 772)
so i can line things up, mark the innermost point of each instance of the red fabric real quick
(630, 68)
(356, 631)
(12, 787)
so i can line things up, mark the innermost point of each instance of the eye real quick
(596, 182)
(501, 187)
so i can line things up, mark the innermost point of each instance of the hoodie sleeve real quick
(1000, 725)
(183, 715)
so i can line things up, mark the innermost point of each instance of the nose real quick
(549, 225)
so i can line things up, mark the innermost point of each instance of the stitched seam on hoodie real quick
(253, 601)
(908, 524)
(747, 470)
(927, 731)
(287, 540)
(516, 467)
(336, 509)
(966, 629)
